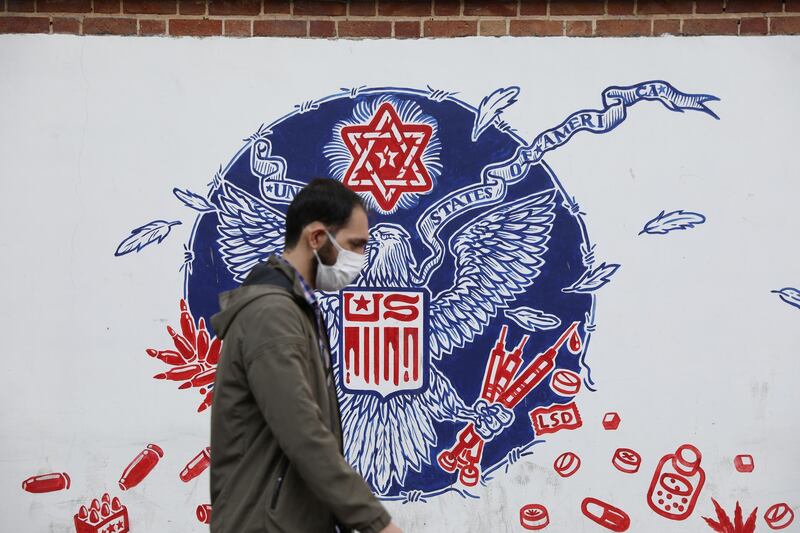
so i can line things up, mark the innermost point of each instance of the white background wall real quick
(691, 346)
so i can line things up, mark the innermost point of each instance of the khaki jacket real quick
(276, 437)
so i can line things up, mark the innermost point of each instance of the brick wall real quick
(402, 19)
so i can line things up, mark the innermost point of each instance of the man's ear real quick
(315, 235)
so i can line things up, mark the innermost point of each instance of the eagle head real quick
(390, 259)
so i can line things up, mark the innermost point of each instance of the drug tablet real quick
(605, 514)
(534, 516)
(565, 383)
(567, 464)
(779, 516)
(204, 513)
(626, 460)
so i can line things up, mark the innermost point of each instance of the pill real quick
(611, 421)
(605, 514)
(567, 464)
(204, 513)
(565, 383)
(46, 483)
(779, 516)
(534, 516)
(744, 463)
(626, 460)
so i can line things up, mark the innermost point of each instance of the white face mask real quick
(339, 275)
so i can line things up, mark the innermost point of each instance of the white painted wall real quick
(691, 346)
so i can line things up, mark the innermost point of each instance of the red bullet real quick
(187, 323)
(202, 341)
(213, 351)
(46, 483)
(141, 465)
(197, 465)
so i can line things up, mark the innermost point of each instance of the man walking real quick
(276, 437)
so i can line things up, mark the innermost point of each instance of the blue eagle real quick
(497, 256)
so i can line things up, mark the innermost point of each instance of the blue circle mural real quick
(462, 344)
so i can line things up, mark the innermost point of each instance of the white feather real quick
(155, 231)
(491, 107)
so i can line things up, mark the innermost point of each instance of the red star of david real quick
(387, 157)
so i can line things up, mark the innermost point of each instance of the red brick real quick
(66, 25)
(21, 6)
(331, 8)
(660, 7)
(195, 27)
(622, 28)
(754, 6)
(579, 28)
(781, 25)
(404, 8)
(150, 7)
(493, 28)
(536, 27)
(362, 8)
(64, 6)
(107, 6)
(446, 8)
(234, 7)
(576, 7)
(192, 7)
(753, 26)
(670, 26)
(620, 7)
(152, 27)
(490, 8)
(709, 6)
(322, 28)
(236, 27)
(280, 28)
(407, 28)
(277, 6)
(789, 6)
(710, 26)
(24, 24)
(450, 28)
(109, 26)
(365, 28)
(533, 7)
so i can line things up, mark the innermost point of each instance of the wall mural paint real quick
(475, 245)
(464, 346)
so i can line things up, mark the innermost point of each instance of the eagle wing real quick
(497, 257)
(249, 230)
(383, 438)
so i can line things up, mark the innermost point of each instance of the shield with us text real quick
(383, 348)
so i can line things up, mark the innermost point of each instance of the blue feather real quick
(195, 201)
(491, 107)
(675, 220)
(790, 295)
(155, 231)
(591, 280)
(532, 319)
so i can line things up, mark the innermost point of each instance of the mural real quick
(434, 345)
(464, 346)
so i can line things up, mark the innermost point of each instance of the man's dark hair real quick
(325, 200)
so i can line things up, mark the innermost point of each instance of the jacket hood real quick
(265, 278)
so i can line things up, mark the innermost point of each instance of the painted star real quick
(362, 303)
(374, 147)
